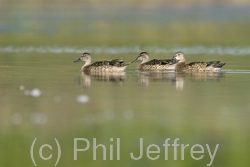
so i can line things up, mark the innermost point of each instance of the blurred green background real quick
(43, 95)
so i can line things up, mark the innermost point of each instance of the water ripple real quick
(129, 49)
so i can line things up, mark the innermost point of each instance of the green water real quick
(43, 95)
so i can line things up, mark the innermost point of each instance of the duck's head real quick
(85, 57)
(143, 56)
(178, 58)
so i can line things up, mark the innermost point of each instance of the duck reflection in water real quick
(177, 79)
(105, 70)
(115, 77)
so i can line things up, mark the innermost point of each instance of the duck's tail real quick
(219, 65)
(215, 64)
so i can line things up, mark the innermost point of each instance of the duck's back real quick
(116, 65)
(155, 64)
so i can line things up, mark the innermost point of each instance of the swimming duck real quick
(116, 65)
(179, 61)
(152, 65)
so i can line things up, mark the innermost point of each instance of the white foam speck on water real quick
(16, 118)
(38, 118)
(129, 49)
(35, 92)
(21, 87)
(82, 99)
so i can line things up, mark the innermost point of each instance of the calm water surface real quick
(46, 97)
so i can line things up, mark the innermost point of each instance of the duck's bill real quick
(173, 61)
(78, 60)
(135, 60)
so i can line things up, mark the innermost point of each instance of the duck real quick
(152, 65)
(179, 62)
(116, 65)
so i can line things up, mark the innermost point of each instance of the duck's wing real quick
(215, 64)
(158, 62)
(116, 62)
(165, 61)
(197, 63)
(100, 63)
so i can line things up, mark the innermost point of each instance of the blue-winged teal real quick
(179, 61)
(152, 65)
(116, 65)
